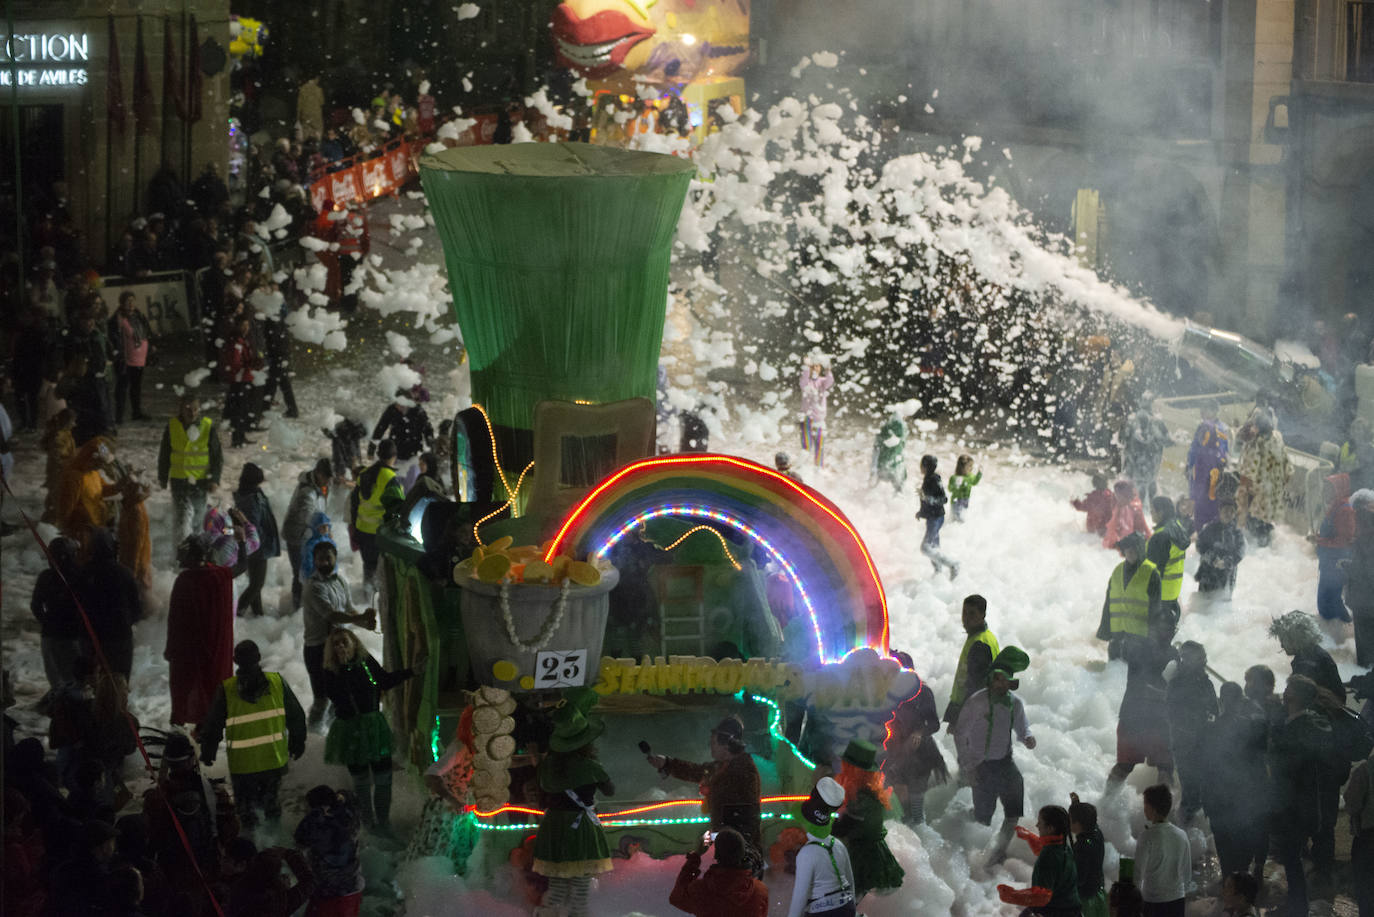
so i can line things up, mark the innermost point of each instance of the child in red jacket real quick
(728, 889)
(1098, 506)
(1127, 515)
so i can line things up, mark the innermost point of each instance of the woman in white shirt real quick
(824, 885)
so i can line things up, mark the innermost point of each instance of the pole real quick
(109, 171)
(140, 64)
(18, 151)
(186, 125)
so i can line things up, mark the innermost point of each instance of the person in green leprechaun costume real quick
(570, 847)
(983, 739)
(824, 883)
(867, 802)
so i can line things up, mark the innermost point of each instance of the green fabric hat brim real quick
(595, 726)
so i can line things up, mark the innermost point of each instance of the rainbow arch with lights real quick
(808, 537)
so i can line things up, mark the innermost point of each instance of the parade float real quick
(650, 57)
(679, 588)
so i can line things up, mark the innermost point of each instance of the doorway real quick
(42, 152)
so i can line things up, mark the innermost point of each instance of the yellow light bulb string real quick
(706, 528)
(495, 458)
(518, 482)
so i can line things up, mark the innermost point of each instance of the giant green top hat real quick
(558, 257)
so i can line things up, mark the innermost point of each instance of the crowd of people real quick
(87, 603)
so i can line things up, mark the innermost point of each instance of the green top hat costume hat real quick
(1011, 660)
(862, 754)
(814, 815)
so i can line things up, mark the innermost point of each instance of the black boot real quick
(381, 803)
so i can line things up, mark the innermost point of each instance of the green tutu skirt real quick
(567, 852)
(358, 741)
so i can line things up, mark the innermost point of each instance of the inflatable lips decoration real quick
(597, 45)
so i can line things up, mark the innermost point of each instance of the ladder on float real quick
(681, 600)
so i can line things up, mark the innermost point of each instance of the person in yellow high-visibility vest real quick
(190, 459)
(1132, 596)
(262, 724)
(1166, 550)
(378, 487)
(975, 659)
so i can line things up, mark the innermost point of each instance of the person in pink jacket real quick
(130, 338)
(816, 382)
(1127, 515)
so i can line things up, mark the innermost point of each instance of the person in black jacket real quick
(253, 503)
(58, 620)
(109, 593)
(1299, 753)
(1089, 848)
(257, 793)
(409, 426)
(1235, 788)
(277, 349)
(1220, 547)
(1192, 703)
(1142, 731)
(360, 737)
(932, 510)
(1298, 636)
(913, 760)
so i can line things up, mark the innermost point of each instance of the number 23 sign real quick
(561, 669)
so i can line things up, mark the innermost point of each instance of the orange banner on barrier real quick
(366, 178)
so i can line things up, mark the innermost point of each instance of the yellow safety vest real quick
(956, 694)
(255, 734)
(1128, 604)
(1171, 577)
(370, 511)
(190, 458)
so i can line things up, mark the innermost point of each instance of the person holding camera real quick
(728, 889)
(729, 783)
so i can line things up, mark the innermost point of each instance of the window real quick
(585, 460)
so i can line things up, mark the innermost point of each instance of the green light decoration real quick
(434, 744)
(775, 726)
(774, 729)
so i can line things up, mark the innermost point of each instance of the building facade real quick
(1146, 129)
(59, 69)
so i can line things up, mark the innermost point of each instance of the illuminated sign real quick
(49, 51)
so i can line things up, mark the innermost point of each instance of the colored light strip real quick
(502, 508)
(693, 511)
(775, 727)
(496, 460)
(653, 807)
(751, 467)
(706, 528)
(434, 745)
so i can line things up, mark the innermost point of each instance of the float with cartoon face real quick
(661, 41)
